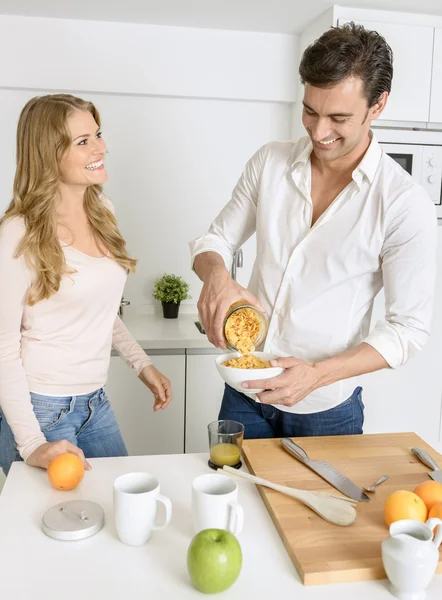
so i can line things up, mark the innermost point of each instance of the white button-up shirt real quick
(318, 283)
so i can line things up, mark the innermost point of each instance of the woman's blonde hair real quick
(43, 138)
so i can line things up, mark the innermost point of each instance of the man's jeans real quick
(86, 421)
(266, 421)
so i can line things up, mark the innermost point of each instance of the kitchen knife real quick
(326, 471)
(424, 457)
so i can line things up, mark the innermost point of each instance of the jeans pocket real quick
(359, 408)
(102, 396)
(48, 416)
(96, 402)
(358, 395)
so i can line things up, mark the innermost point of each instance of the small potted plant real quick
(170, 290)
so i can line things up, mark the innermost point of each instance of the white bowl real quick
(235, 377)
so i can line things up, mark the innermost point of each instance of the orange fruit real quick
(436, 511)
(403, 504)
(66, 471)
(430, 492)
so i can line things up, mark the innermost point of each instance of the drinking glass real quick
(225, 443)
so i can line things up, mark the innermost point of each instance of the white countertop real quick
(152, 331)
(35, 567)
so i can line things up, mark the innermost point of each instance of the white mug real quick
(136, 497)
(215, 504)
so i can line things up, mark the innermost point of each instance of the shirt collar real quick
(369, 163)
(303, 158)
(367, 166)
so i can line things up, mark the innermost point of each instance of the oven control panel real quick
(431, 174)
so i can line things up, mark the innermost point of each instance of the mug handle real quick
(168, 506)
(236, 518)
(432, 523)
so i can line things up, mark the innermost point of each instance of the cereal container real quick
(245, 327)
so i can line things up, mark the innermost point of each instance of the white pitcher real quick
(410, 556)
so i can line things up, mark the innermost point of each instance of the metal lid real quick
(73, 520)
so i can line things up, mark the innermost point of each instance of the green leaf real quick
(171, 288)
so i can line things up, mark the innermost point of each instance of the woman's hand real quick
(158, 384)
(42, 456)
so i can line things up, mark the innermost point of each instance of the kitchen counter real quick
(154, 332)
(102, 568)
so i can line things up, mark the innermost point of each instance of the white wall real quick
(182, 111)
(146, 59)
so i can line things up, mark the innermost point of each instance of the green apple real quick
(214, 560)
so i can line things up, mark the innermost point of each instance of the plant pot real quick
(170, 310)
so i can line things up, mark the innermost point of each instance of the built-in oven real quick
(422, 158)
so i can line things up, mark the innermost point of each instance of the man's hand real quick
(42, 456)
(301, 377)
(298, 380)
(219, 292)
(158, 384)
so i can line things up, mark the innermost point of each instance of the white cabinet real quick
(436, 87)
(408, 398)
(197, 393)
(146, 431)
(412, 47)
(204, 392)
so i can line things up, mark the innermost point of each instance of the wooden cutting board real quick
(322, 552)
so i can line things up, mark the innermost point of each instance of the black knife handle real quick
(425, 458)
(295, 450)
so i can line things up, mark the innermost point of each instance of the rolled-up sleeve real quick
(236, 223)
(409, 266)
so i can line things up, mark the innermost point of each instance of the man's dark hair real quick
(349, 51)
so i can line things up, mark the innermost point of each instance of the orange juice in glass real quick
(225, 442)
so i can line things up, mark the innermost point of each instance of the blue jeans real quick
(266, 421)
(86, 421)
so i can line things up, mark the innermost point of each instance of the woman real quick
(63, 266)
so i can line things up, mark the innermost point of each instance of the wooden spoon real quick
(334, 510)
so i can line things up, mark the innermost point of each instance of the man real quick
(335, 219)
